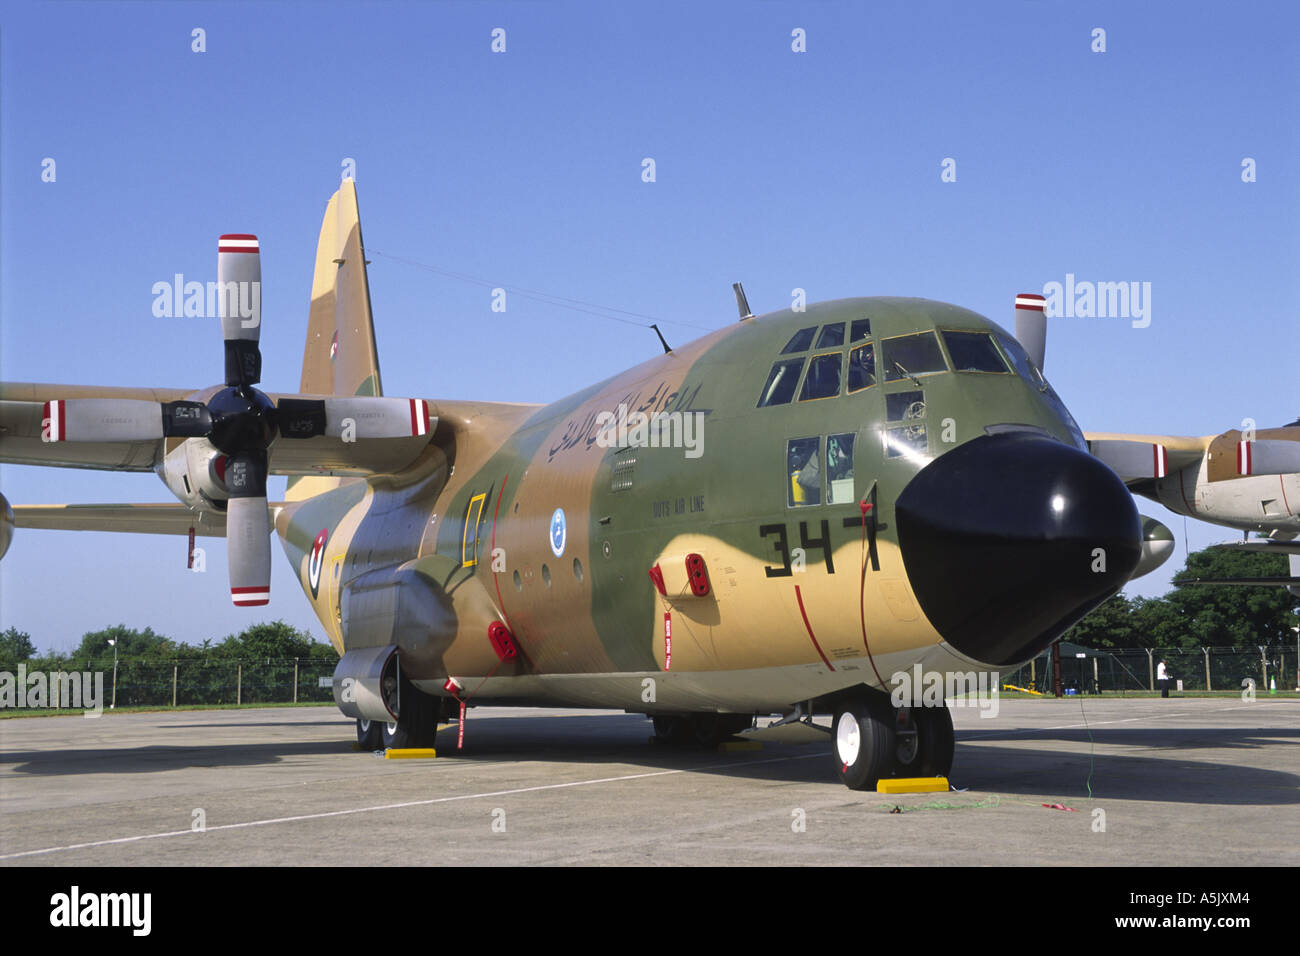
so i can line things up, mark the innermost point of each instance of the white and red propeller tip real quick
(102, 420)
(248, 551)
(1132, 459)
(239, 261)
(1268, 457)
(419, 416)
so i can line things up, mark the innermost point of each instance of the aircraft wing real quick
(138, 518)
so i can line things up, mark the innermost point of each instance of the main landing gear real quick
(416, 724)
(699, 730)
(873, 739)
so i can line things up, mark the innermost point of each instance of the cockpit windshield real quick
(973, 352)
(907, 355)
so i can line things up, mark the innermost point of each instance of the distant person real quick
(1162, 675)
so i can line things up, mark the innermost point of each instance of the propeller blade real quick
(354, 419)
(1031, 325)
(102, 420)
(248, 530)
(1132, 460)
(300, 417)
(123, 419)
(186, 420)
(1268, 457)
(239, 278)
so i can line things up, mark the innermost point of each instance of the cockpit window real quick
(904, 406)
(1021, 361)
(860, 330)
(839, 468)
(1024, 365)
(862, 367)
(804, 471)
(781, 382)
(908, 355)
(823, 379)
(832, 336)
(973, 352)
(800, 341)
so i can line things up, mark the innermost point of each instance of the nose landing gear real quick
(873, 739)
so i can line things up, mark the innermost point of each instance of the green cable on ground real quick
(1091, 747)
(941, 805)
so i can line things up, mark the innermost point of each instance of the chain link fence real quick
(1133, 670)
(180, 683)
(163, 683)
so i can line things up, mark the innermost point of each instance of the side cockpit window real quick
(781, 383)
(803, 471)
(826, 372)
(823, 379)
(862, 367)
(839, 468)
(832, 336)
(800, 341)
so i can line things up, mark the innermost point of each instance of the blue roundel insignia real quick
(558, 532)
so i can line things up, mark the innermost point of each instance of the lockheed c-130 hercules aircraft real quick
(835, 495)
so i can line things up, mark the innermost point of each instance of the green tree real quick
(1232, 614)
(132, 643)
(1110, 625)
(16, 646)
(270, 640)
(1195, 615)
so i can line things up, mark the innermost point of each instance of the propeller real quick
(1031, 325)
(240, 421)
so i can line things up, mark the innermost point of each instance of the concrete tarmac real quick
(1178, 781)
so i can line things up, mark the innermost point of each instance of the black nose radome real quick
(1010, 539)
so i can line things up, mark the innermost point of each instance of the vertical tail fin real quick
(340, 357)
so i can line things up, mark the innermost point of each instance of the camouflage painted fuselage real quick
(532, 516)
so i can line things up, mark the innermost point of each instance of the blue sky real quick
(818, 170)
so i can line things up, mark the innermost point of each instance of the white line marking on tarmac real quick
(399, 806)
(1097, 723)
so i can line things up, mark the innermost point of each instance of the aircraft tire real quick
(369, 735)
(863, 742)
(929, 753)
(416, 724)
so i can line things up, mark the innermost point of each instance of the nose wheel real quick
(872, 739)
(865, 737)
(925, 742)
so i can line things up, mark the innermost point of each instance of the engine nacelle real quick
(195, 472)
(1157, 546)
(367, 683)
(6, 525)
